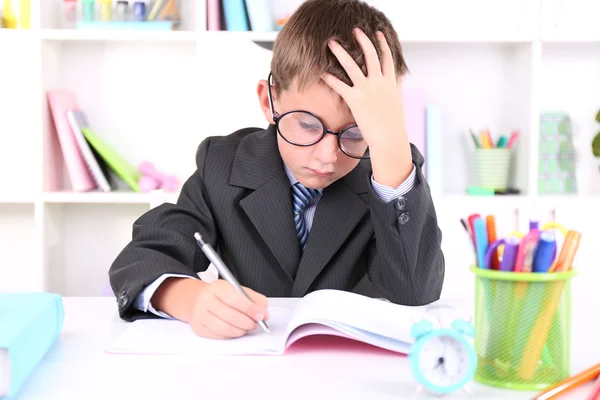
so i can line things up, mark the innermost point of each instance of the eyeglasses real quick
(303, 128)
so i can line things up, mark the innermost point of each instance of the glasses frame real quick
(277, 117)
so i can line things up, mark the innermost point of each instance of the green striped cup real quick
(493, 166)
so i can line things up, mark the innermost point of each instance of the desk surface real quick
(77, 368)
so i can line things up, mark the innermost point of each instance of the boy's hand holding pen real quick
(224, 309)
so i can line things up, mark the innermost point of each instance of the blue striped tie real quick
(303, 197)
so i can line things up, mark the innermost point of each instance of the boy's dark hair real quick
(301, 52)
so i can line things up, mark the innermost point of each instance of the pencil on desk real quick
(568, 384)
(595, 392)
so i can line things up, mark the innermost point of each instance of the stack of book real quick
(91, 163)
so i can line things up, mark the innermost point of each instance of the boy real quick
(330, 193)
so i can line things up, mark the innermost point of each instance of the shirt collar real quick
(293, 179)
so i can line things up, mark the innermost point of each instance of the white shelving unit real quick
(156, 95)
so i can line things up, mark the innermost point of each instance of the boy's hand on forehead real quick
(375, 101)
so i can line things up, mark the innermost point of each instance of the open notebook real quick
(324, 312)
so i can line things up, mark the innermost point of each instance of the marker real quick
(512, 139)
(526, 252)
(567, 253)
(509, 254)
(481, 240)
(544, 254)
(490, 221)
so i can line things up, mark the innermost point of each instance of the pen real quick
(512, 139)
(224, 271)
(477, 145)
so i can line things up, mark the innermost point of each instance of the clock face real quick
(444, 361)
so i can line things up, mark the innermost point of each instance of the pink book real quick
(60, 102)
(213, 15)
(415, 117)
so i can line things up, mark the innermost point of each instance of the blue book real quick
(236, 18)
(30, 324)
(259, 14)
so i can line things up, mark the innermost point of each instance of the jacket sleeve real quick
(163, 243)
(406, 262)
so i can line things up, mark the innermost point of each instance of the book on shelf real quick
(239, 15)
(91, 162)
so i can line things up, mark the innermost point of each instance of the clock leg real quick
(419, 390)
(466, 390)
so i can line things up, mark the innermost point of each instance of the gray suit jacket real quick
(239, 199)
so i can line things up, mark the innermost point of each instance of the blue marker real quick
(481, 240)
(544, 253)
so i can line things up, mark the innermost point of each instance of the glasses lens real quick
(300, 128)
(353, 144)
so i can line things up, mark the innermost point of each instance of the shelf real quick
(574, 38)
(408, 37)
(16, 199)
(106, 198)
(118, 35)
(239, 35)
(18, 34)
(97, 198)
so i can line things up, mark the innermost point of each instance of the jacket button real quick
(403, 218)
(123, 300)
(401, 203)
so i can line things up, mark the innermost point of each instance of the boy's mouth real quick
(319, 173)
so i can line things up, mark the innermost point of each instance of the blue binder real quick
(30, 323)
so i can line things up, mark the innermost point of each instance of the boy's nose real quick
(327, 149)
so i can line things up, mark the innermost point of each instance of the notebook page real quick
(172, 337)
(363, 316)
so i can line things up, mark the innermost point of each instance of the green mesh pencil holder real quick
(493, 167)
(522, 328)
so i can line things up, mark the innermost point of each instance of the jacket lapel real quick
(339, 211)
(258, 166)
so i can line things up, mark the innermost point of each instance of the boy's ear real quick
(262, 91)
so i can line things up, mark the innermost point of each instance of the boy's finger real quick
(231, 315)
(203, 331)
(230, 296)
(259, 299)
(371, 57)
(387, 60)
(347, 62)
(337, 85)
(222, 328)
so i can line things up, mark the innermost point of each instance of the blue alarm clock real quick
(443, 359)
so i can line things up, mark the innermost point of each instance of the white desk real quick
(77, 368)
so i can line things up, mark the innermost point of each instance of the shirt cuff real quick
(142, 302)
(388, 194)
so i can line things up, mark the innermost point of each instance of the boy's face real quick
(323, 163)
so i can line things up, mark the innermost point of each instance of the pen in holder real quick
(523, 323)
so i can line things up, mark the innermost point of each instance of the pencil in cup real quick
(541, 329)
(498, 360)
